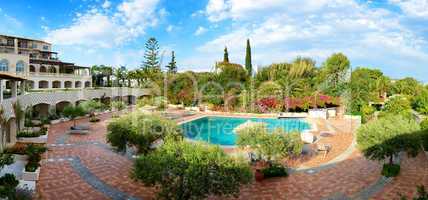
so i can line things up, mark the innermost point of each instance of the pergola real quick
(14, 79)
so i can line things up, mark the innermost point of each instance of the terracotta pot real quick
(259, 175)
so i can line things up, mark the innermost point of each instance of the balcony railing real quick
(47, 74)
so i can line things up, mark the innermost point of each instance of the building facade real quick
(35, 61)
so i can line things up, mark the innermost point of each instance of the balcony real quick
(64, 75)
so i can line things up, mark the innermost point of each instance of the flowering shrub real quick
(268, 104)
(305, 103)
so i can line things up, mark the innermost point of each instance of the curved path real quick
(84, 167)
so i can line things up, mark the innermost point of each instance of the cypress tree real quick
(151, 55)
(226, 55)
(248, 64)
(172, 66)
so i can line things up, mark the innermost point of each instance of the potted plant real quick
(32, 168)
(17, 151)
(72, 112)
(31, 136)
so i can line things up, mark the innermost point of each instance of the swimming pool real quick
(219, 130)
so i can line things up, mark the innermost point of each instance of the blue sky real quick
(388, 34)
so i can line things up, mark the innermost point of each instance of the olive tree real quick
(386, 137)
(140, 130)
(271, 146)
(185, 170)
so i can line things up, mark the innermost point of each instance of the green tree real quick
(398, 105)
(248, 64)
(225, 56)
(334, 71)
(151, 55)
(270, 146)
(192, 171)
(407, 86)
(120, 74)
(420, 102)
(140, 130)
(172, 66)
(107, 71)
(72, 112)
(386, 137)
(19, 114)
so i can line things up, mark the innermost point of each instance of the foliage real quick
(27, 133)
(172, 66)
(420, 102)
(367, 113)
(8, 184)
(72, 112)
(386, 137)
(160, 102)
(185, 170)
(269, 89)
(270, 146)
(248, 64)
(140, 130)
(151, 55)
(333, 73)
(268, 104)
(424, 124)
(275, 170)
(34, 156)
(225, 55)
(398, 105)
(119, 132)
(145, 101)
(390, 170)
(407, 86)
(366, 85)
(19, 113)
(424, 139)
(118, 105)
(91, 106)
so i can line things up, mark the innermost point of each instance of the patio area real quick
(85, 167)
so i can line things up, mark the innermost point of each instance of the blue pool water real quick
(219, 130)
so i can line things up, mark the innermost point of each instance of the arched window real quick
(42, 69)
(20, 66)
(52, 69)
(32, 68)
(4, 65)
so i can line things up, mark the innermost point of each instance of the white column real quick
(22, 86)
(15, 41)
(36, 84)
(49, 84)
(61, 84)
(13, 87)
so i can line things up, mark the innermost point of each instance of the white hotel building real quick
(35, 61)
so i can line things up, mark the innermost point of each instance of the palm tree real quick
(3, 128)
(107, 71)
(19, 114)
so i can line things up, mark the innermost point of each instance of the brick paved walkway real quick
(84, 167)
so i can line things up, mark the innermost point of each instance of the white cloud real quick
(280, 30)
(98, 28)
(169, 28)
(201, 30)
(413, 8)
(106, 4)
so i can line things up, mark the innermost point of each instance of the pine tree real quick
(226, 55)
(151, 55)
(248, 64)
(172, 66)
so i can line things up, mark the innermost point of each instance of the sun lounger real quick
(307, 137)
(80, 127)
(324, 147)
(78, 132)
